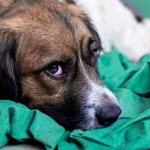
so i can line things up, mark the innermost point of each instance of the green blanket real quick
(131, 84)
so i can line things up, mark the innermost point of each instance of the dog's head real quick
(48, 57)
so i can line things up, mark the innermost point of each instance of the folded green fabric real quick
(131, 84)
(22, 124)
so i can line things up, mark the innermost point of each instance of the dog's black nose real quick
(107, 115)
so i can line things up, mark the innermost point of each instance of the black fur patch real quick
(10, 85)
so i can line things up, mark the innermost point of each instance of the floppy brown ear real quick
(10, 85)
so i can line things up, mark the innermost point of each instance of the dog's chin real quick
(78, 122)
(86, 123)
(83, 125)
(71, 121)
(88, 126)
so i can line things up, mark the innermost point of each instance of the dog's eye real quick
(95, 55)
(55, 70)
(95, 51)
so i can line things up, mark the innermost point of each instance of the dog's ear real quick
(10, 85)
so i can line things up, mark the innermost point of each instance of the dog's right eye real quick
(55, 70)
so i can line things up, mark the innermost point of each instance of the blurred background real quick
(143, 6)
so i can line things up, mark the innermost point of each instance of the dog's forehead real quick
(39, 48)
(47, 37)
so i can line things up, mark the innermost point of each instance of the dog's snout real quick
(108, 114)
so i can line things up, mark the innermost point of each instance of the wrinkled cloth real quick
(20, 123)
(131, 85)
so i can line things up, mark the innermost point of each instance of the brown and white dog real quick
(48, 55)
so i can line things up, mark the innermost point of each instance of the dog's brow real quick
(45, 62)
(56, 60)
(63, 18)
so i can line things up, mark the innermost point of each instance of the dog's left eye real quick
(95, 51)
(95, 55)
(55, 70)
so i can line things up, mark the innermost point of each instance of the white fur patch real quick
(117, 27)
(95, 96)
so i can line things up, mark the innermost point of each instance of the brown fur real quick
(45, 32)
(37, 29)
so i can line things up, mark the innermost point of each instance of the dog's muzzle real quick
(107, 115)
(101, 107)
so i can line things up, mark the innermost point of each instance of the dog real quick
(48, 57)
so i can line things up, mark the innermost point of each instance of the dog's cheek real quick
(36, 92)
